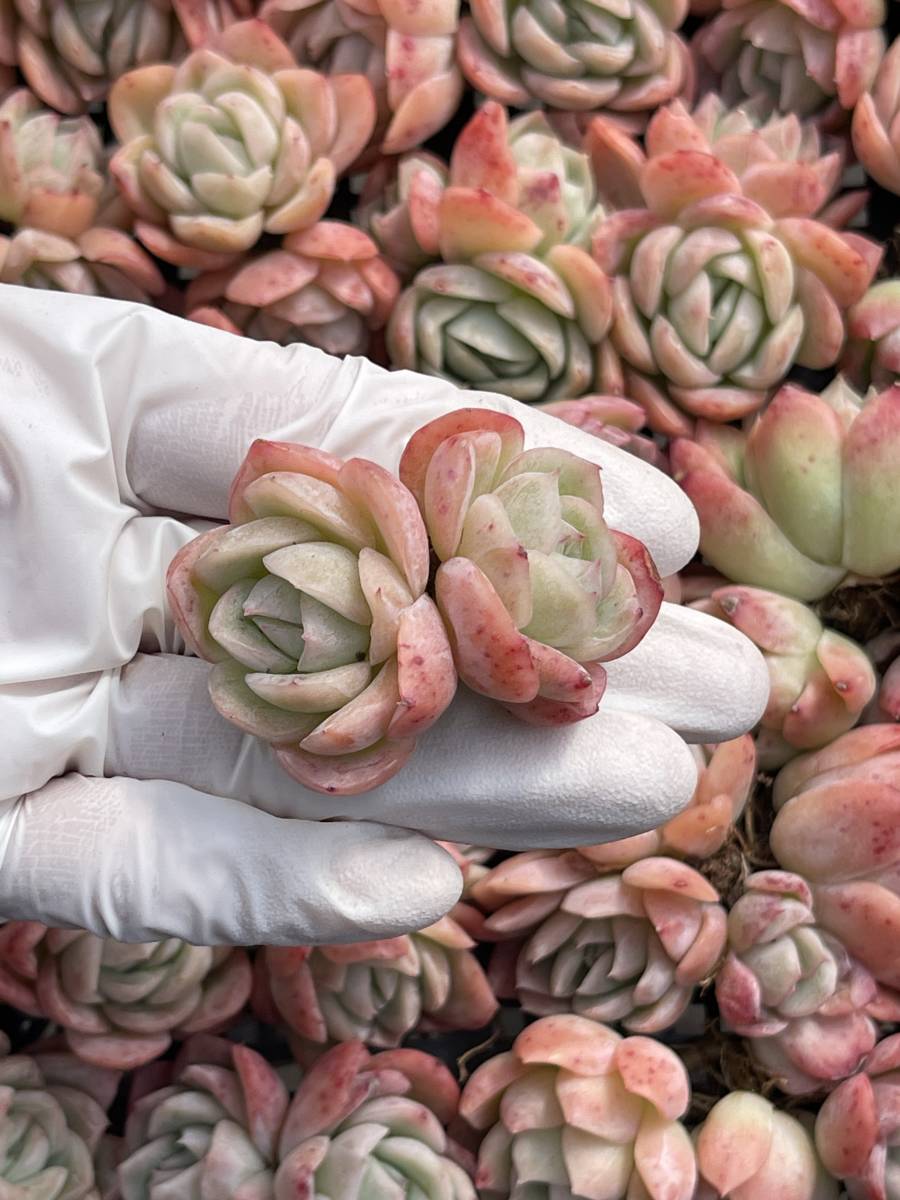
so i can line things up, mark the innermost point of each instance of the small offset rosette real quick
(536, 591)
(311, 604)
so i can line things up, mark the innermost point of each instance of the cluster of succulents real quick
(667, 224)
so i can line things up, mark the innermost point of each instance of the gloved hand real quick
(127, 805)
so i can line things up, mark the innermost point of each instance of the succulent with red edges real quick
(312, 605)
(120, 1004)
(100, 262)
(575, 1111)
(378, 992)
(326, 286)
(535, 589)
(614, 945)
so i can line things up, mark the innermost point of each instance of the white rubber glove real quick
(165, 820)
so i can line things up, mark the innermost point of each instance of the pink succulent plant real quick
(748, 1150)
(100, 262)
(312, 605)
(535, 590)
(884, 651)
(725, 776)
(54, 1117)
(783, 163)
(714, 297)
(50, 168)
(236, 141)
(575, 1111)
(766, 522)
(876, 130)
(792, 989)
(358, 1127)
(71, 52)
(872, 354)
(407, 52)
(838, 826)
(624, 57)
(120, 1004)
(858, 1126)
(813, 59)
(626, 946)
(820, 681)
(326, 286)
(378, 992)
(613, 419)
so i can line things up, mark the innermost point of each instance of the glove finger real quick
(695, 673)
(141, 861)
(478, 776)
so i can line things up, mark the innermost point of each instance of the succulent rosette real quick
(326, 286)
(71, 51)
(50, 168)
(536, 591)
(839, 827)
(625, 57)
(54, 1116)
(858, 1126)
(872, 354)
(519, 168)
(235, 141)
(312, 606)
(377, 992)
(625, 946)
(573, 1110)
(876, 130)
(748, 1150)
(613, 419)
(792, 989)
(783, 163)
(408, 53)
(725, 776)
(820, 681)
(765, 521)
(810, 59)
(100, 262)
(517, 305)
(118, 1003)
(714, 297)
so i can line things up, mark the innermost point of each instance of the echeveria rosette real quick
(815, 58)
(726, 773)
(100, 262)
(747, 1149)
(519, 169)
(535, 589)
(71, 51)
(120, 1004)
(791, 988)
(378, 992)
(620, 946)
(50, 169)
(326, 286)
(875, 129)
(858, 1127)
(53, 1119)
(574, 55)
(783, 163)
(715, 298)
(819, 681)
(838, 826)
(872, 354)
(407, 51)
(575, 1111)
(765, 521)
(312, 605)
(235, 141)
